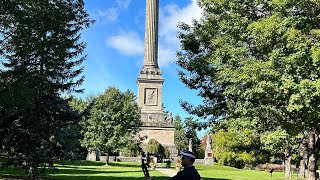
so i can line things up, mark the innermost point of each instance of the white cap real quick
(188, 154)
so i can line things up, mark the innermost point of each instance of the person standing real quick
(189, 172)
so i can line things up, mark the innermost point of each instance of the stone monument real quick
(208, 159)
(156, 124)
(190, 145)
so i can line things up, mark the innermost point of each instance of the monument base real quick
(209, 161)
(164, 135)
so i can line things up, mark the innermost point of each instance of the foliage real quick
(154, 147)
(71, 135)
(113, 122)
(256, 60)
(233, 149)
(41, 56)
(180, 138)
(191, 127)
(132, 149)
(279, 142)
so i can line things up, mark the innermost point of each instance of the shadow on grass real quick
(87, 171)
(124, 165)
(80, 163)
(102, 178)
(10, 177)
(116, 178)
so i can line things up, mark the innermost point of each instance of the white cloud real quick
(170, 16)
(166, 56)
(110, 14)
(124, 4)
(104, 16)
(128, 43)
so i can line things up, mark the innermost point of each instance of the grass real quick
(84, 170)
(217, 172)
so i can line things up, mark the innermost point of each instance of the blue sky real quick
(115, 47)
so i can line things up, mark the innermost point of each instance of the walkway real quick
(167, 171)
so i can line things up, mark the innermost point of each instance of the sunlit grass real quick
(80, 170)
(217, 172)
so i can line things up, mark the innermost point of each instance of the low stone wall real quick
(138, 159)
(199, 161)
(129, 159)
(111, 158)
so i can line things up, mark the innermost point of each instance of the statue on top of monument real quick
(190, 144)
(208, 141)
(170, 118)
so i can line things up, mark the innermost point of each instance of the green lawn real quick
(124, 171)
(228, 173)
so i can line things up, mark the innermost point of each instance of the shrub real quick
(156, 148)
(238, 160)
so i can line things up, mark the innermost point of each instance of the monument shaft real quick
(156, 124)
(151, 34)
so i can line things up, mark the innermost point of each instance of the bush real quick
(154, 147)
(238, 160)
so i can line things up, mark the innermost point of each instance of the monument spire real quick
(151, 34)
(156, 124)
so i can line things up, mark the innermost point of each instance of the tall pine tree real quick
(40, 53)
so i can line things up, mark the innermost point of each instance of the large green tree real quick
(281, 145)
(258, 60)
(180, 137)
(113, 122)
(191, 127)
(40, 53)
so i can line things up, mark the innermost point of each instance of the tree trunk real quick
(288, 167)
(311, 174)
(302, 172)
(107, 161)
(304, 156)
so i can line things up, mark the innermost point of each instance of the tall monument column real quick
(156, 124)
(151, 34)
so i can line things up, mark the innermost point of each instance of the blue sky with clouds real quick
(115, 47)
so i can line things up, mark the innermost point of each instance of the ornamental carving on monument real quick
(151, 96)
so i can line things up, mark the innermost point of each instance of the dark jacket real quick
(188, 173)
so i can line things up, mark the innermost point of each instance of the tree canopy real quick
(256, 60)
(41, 56)
(113, 122)
(180, 138)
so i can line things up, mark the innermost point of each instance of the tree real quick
(191, 127)
(113, 122)
(40, 53)
(281, 145)
(71, 135)
(154, 147)
(180, 138)
(257, 60)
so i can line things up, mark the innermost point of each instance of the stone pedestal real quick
(209, 159)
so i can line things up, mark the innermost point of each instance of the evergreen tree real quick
(180, 137)
(40, 53)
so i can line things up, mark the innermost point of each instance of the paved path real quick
(167, 171)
